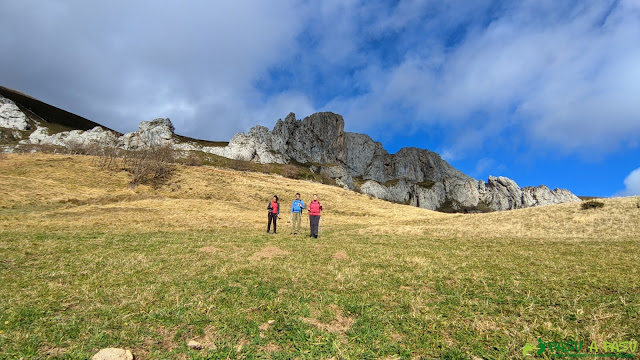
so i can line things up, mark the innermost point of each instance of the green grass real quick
(407, 296)
(87, 263)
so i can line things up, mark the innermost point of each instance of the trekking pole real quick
(320, 225)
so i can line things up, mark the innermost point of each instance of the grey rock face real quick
(255, 146)
(318, 138)
(157, 132)
(501, 193)
(96, 135)
(542, 195)
(11, 117)
(360, 153)
(150, 133)
(411, 176)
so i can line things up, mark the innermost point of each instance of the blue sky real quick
(543, 92)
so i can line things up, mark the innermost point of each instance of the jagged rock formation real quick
(319, 138)
(157, 132)
(413, 176)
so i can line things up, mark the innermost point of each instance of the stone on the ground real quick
(113, 354)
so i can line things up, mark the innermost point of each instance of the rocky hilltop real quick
(411, 176)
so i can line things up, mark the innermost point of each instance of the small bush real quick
(267, 168)
(240, 165)
(326, 179)
(591, 204)
(49, 149)
(80, 148)
(291, 171)
(109, 155)
(150, 166)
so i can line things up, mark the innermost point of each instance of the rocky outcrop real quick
(97, 135)
(11, 117)
(318, 138)
(412, 176)
(150, 133)
(158, 132)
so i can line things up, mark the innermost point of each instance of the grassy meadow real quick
(87, 262)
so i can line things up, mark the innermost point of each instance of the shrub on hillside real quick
(48, 149)
(151, 165)
(326, 179)
(591, 204)
(80, 148)
(109, 155)
(240, 165)
(291, 171)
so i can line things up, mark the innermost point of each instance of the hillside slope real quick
(207, 198)
(49, 113)
(87, 262)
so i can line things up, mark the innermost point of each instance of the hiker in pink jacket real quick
(315, 210)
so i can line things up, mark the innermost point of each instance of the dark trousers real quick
(314, 220)
(272, 217)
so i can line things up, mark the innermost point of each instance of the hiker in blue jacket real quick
(297, 206)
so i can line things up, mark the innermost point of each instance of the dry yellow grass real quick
(77, 194)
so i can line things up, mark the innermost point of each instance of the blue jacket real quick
(297, 205)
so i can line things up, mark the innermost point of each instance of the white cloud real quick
(568, 78)
(565, 76)
(632, 184)
(119, 62)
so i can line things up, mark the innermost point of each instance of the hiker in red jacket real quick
(315, 210)
(274, 213)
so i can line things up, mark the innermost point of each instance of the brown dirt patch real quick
(266, 326)
(53, 352)
(208, 340)
(210, 249)
(340, 324)
(268, 252)
(165, 339)
(340, 255)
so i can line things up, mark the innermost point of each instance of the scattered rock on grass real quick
(194, 345)
(113, 354)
